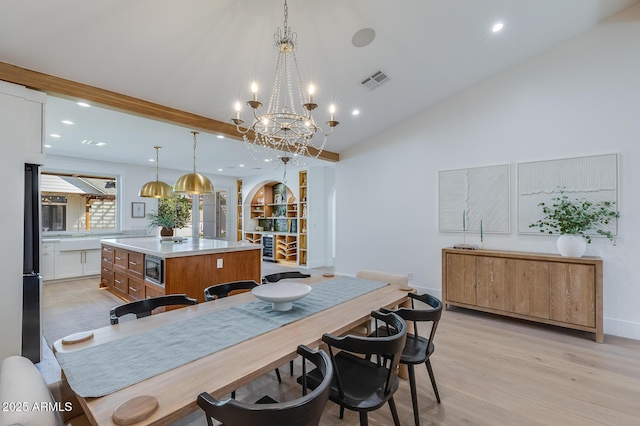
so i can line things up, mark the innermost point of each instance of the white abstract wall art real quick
(594, 178)
(480, 193)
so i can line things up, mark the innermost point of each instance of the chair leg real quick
(341, 412)
(394, 412)
(278, 375)
(233, 394)
(414, 393)
(291, 367)
(433, 380)
(364, 419)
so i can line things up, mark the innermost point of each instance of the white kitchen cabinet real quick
(47, 260)
(92, 260)
(77, 263)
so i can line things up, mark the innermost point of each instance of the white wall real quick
(16, 131)
(581, 98)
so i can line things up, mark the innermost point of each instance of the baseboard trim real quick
(432, 291)
(621, 328)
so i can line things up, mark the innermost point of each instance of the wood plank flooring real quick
(498, 371)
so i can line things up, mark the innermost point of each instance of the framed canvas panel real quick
(594, 178)
(478, 194)
(137, 209)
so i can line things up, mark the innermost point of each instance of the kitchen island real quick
(139, 268)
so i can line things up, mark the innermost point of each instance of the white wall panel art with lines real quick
(594, 178)
(482, 193)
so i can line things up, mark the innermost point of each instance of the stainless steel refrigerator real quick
(31, 280)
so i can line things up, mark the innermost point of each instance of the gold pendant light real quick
(194, 183)
(156, 188)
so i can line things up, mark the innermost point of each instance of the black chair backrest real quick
(228, 289)
(274, 278)
(304, 411)
(386, 347)
(422, 315)
(143, 308)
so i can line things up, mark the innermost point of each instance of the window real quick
(78, 203)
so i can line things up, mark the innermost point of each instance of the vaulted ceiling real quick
(200, 56)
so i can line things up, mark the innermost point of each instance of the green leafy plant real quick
(173, 212)
(575, 217)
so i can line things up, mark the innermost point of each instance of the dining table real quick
(218, 373)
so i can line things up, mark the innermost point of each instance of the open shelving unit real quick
(239, 189)
(303, 212)
(276, 213)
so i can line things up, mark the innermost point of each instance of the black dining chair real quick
(218, 291)
(303, 411)
(143, 308)
(274, 278)
(360, 384)
(418, 349)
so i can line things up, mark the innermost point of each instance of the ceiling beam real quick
(79, 91)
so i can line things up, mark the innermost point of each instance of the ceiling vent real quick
(376, 79)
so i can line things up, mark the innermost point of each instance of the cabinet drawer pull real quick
(106, 249)
(118, 281)
(105, 270)
(118, 258)
(133, 289)
(133, 263)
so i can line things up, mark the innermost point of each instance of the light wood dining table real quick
(228, 369)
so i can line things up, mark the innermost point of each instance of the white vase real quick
(571, 245)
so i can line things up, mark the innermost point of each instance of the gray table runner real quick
(103, 369)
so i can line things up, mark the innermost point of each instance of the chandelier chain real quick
(194, 151)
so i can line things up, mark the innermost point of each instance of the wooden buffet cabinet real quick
(189, 271)
(546, 288)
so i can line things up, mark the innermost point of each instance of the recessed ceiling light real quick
(219, 170)
(54, 135)
(66, 122)
(47, 146)
(241, 165)
(90, 142)
(83, 104)
(355, 112)
(152, 160)
(497, 27)
(220, 137)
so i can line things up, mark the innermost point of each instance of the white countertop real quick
(154, 247)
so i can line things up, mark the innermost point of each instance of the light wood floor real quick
(498, 371)
(495, 371)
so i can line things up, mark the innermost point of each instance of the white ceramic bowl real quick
(281, 295)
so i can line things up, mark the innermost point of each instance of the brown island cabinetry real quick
(546, 288)
(187, 268)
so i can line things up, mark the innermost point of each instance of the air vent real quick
(376, 79)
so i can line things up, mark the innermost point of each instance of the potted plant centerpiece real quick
(572, 219)
(173, 212)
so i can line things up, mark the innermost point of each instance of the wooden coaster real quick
(328, 275)
(134, 410)
(77, 337)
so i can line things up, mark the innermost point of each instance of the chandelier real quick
(282, 131)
